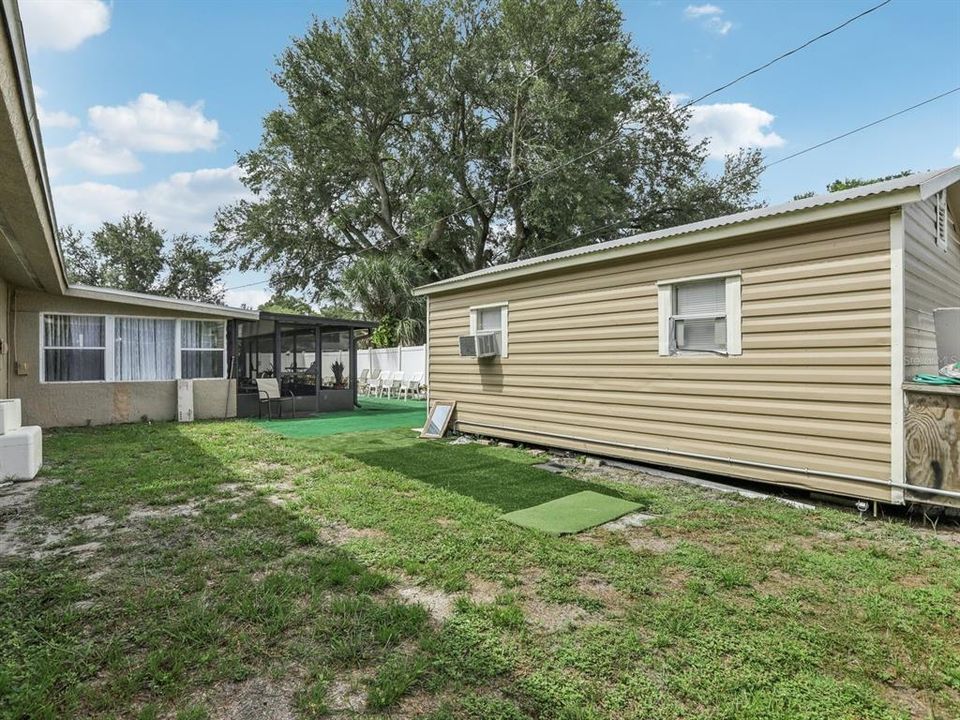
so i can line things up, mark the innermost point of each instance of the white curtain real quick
(73, 348)
(145, 349)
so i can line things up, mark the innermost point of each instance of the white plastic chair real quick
(362, 380)
(386, 383)
(396, 383)
(377, 383)
(411, 386)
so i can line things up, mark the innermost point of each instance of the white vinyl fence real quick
(410, 360)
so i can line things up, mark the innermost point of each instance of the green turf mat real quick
(572, 514)
(374, 414)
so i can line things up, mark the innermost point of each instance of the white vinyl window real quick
(74, 347)
(145, 349)
(98, 348)
(203, 348)
(491, 318)
(700, 315)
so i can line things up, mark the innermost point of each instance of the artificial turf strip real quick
(572, 513)
(373, 414)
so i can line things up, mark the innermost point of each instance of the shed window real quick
(700, 315)
(202, 348)
(74, 347)
(491, 318)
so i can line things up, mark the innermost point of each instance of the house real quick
(76, 355)
(771, 345)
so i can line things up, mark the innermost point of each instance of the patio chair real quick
(411, 386)
(373, 383)
(268, 390)
(395, 383)
(362, 380)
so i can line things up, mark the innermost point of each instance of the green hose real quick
(935, 380)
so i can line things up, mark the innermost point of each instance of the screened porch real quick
(314, 360)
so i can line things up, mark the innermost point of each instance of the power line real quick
(862, 127)
(593, 151)
(784, 159)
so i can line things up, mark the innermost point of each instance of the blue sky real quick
(147, 104)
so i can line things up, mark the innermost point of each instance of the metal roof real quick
(316, 320)
(158, 301)
(890, 193)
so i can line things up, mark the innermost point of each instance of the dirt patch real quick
(908, 700)
(339, 533)
(258, 698)
(140, 513)
(599, 589)
(438, 603)
(627, 522)
(674, 579)
(417, 705)
(445, 522)
(776, 583)
(483, 591)
(552, 617)
(347, 693)
(21, 494)
(654, 544)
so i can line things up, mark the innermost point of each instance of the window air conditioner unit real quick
(480, 345)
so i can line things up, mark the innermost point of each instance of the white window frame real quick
(109, 370)
(180, 348)
(504, 317)
(665, 314)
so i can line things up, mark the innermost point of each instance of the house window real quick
(700, 315)
(491, 318)
(74, 347)
(202, 348)
(91, 348)
(145, 349)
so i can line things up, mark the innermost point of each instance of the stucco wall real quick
(99, 403)
(4, 335)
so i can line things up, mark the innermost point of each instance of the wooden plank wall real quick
(931, 280)
(811, 390)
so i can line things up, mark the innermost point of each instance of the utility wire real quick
(593, 151)
(862, 127)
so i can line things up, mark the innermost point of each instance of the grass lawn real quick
(219, 570)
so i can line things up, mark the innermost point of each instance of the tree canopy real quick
(539, 117)
(281, 302)
(848, 183)
(133, 254)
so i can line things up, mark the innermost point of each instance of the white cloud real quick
(56, 118)
(956, 152)
(710, 18)
(698, 11)
(251, 297)
(150, 123)
(63, 24)
(731, 126)
(184, 202)
(93, 155)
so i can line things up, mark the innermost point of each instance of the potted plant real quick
(337, 369)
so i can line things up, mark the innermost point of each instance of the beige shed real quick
(769, 345)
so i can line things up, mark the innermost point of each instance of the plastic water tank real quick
(946, 321)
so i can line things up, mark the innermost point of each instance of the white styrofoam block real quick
(9, 415)
(21, 453)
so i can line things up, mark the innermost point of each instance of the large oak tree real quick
(538, 118)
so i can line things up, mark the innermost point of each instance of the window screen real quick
(74, 348)
(699, 317)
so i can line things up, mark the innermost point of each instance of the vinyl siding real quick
(931, 280)
(811, 389)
